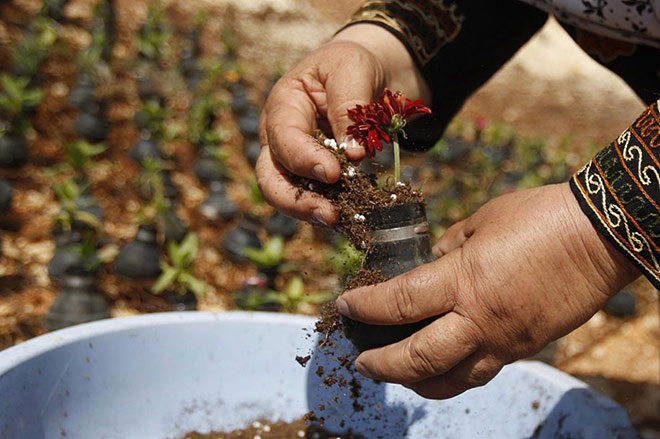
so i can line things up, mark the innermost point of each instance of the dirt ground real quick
(549, 88)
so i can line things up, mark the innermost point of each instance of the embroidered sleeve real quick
(619, 190)
(457, 45)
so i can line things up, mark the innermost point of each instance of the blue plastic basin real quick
(159, 376)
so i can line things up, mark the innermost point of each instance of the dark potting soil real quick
(355, 195)
(278, 430)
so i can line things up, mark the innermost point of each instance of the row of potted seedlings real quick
(140, 258)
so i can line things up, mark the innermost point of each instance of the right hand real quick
(353, 68)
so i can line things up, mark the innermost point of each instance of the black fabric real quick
(638, 65)
(489, 33)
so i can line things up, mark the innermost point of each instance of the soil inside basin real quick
(278, 430)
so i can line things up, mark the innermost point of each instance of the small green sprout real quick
(154, 34)
(34, 47)
(16, 99)
(343, 259)
(79, 154)
(270, 256)
(177, 274)
(68, 194)
(289, 299)
(153, 168)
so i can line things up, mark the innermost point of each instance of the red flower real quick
(368, 129)
(383, 119)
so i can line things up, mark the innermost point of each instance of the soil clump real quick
(278, 430)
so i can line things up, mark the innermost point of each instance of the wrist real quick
(608, 267)
(401, 72)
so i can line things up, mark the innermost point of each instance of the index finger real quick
(287, 122)
(424, 292)
(431, 352)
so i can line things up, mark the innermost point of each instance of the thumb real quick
(346, 88)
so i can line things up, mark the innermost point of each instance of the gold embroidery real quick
(649, 128)
(621, 186)
(426, 26)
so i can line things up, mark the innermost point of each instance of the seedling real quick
(71, 211)
(289, 299)
(294, 295)
(33, 49)
(15, 100)
(80, 154)
(200, 118)
(91, 57)
(343, 259)
(177, 275)
(154, 34)
(153, 169)
(270, 256)
(87, 251)
(152, 117)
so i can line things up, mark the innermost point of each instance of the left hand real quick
(524, 270)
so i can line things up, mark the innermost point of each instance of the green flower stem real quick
(397, 158)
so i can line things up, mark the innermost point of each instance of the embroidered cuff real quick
(457, 46)
(424, 26)
(619, 190)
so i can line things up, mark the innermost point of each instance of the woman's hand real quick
(524, 270)
(351, 69)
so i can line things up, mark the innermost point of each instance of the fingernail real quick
(318, 217)
(319, 173)
(362, 370)
(343, 307)
(352, 144)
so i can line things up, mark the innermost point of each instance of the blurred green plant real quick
(154, 34)
(268, 257)
(68, 194)
(289, 299)
(79, 154)
(230, 42)
(232, 68)
(256, 196)
(177, 275)
(294, 295)
(152, 176)
(34, 47)
(200, 117)
(91, 58)
(16, 99)
(154, 117)
(79, 159)
(87, 249)
(343, 258)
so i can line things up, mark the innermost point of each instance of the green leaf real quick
(188, 249)
(174, 251)
(295, 288)
(166, 279)
(269, 256)
(197, 286)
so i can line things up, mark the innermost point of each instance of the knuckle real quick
(421, 364)
(480, 375)
(403, 309)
